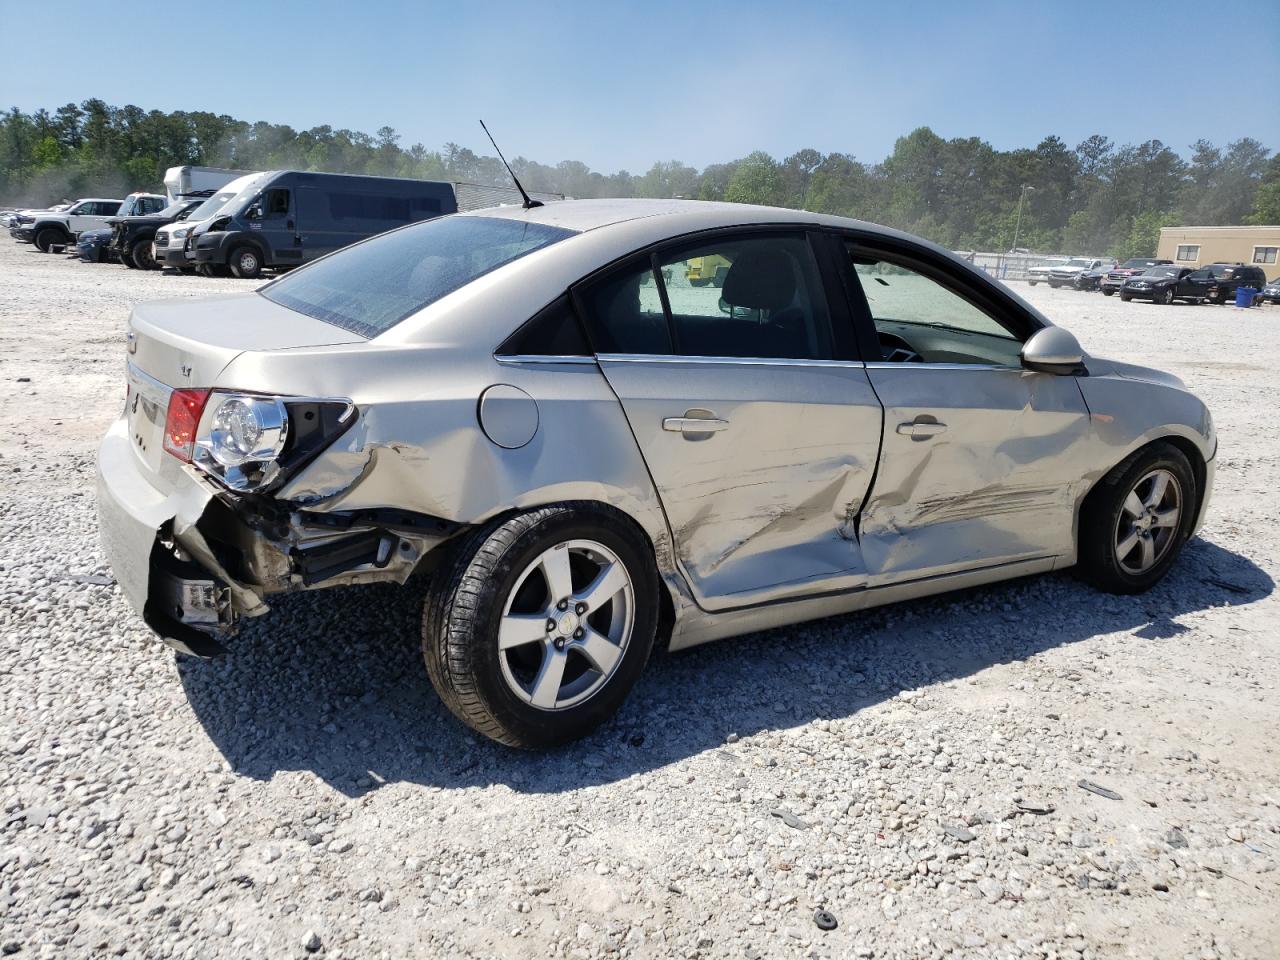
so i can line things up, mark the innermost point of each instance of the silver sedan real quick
(594, 426)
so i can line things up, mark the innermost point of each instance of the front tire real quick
(1167, 297)
(1125, 298)
(245, 263)
(1135, 521)
(537, 627)
(48, 238)
(1106, 292)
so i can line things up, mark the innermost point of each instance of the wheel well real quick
(666, 609)
(1187, 448)
(50, 225)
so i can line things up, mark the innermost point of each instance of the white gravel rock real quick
(154, 805)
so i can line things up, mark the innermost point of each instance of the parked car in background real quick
(1116, 277)
(60, 229)
(1222, 280)
(1040, 272)
(1164, 283)
(49, 229)
(10, 217)
(537, 404)
(168, 248)
(182, 182)
(1271, 292)
(292, 217)
(132, 238)
(1066, 274)
(1089, 279)
(94, 246)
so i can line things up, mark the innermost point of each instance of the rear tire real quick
(127, 260)
(1033, 282)
(1107, 292)
(514, 573)
(48, 238)
(1130, 532)
(245, 263)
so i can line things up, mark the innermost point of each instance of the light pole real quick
(1022, 195)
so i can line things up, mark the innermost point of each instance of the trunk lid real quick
(176, 344)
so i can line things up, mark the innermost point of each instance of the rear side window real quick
(734, 296)
(370, 287)
(625, 311)
(552, 332)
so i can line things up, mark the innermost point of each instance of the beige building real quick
(1194, 246)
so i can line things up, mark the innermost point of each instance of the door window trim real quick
(988, 298)
(844, 348)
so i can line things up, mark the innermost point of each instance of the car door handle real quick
(921, 429)
(694, 424)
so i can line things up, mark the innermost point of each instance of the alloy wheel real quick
(566, 625)
(1148, 521)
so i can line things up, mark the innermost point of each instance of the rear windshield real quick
(372, 286)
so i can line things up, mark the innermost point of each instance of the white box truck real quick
(180, 181)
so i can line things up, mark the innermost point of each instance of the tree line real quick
(1095, 198)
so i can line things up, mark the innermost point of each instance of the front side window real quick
(1265, 254)
(276, 203)
(919, 320)
(1188, 252)
(736, 296)
(370, 287)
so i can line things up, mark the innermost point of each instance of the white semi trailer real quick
(180, 181)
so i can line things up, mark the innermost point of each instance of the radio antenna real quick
(529, 202)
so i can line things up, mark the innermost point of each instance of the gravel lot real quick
(914, 770)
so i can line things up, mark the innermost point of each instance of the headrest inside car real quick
(760, 280)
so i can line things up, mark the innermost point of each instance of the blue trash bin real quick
(1245, 295)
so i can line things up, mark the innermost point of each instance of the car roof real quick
(607, 231)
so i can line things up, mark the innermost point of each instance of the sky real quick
(622, 85)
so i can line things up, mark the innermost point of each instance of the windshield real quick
(212, 205)
(1165, 271)
(173, 209)
(1078, 262)
(372, 286)
(1139, 264)
(1220, 270)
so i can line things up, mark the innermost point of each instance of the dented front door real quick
(761, 467)
(980, 466)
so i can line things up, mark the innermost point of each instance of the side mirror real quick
(255, 212)
(1053, 350)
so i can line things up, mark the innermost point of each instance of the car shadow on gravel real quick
(333, 682)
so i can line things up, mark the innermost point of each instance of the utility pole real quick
(1022, 195)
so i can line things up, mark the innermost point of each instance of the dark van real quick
(292, 217)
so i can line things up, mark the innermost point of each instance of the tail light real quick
(251, 441)
(182, 420)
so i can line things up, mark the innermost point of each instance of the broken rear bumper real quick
(194, 559)
(182, 602)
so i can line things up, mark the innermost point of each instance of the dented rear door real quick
(761, 467)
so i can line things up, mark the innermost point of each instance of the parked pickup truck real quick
(132, 237)
(51, 230)
(1069, 273)
(1115, 279)
(1040, 272)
